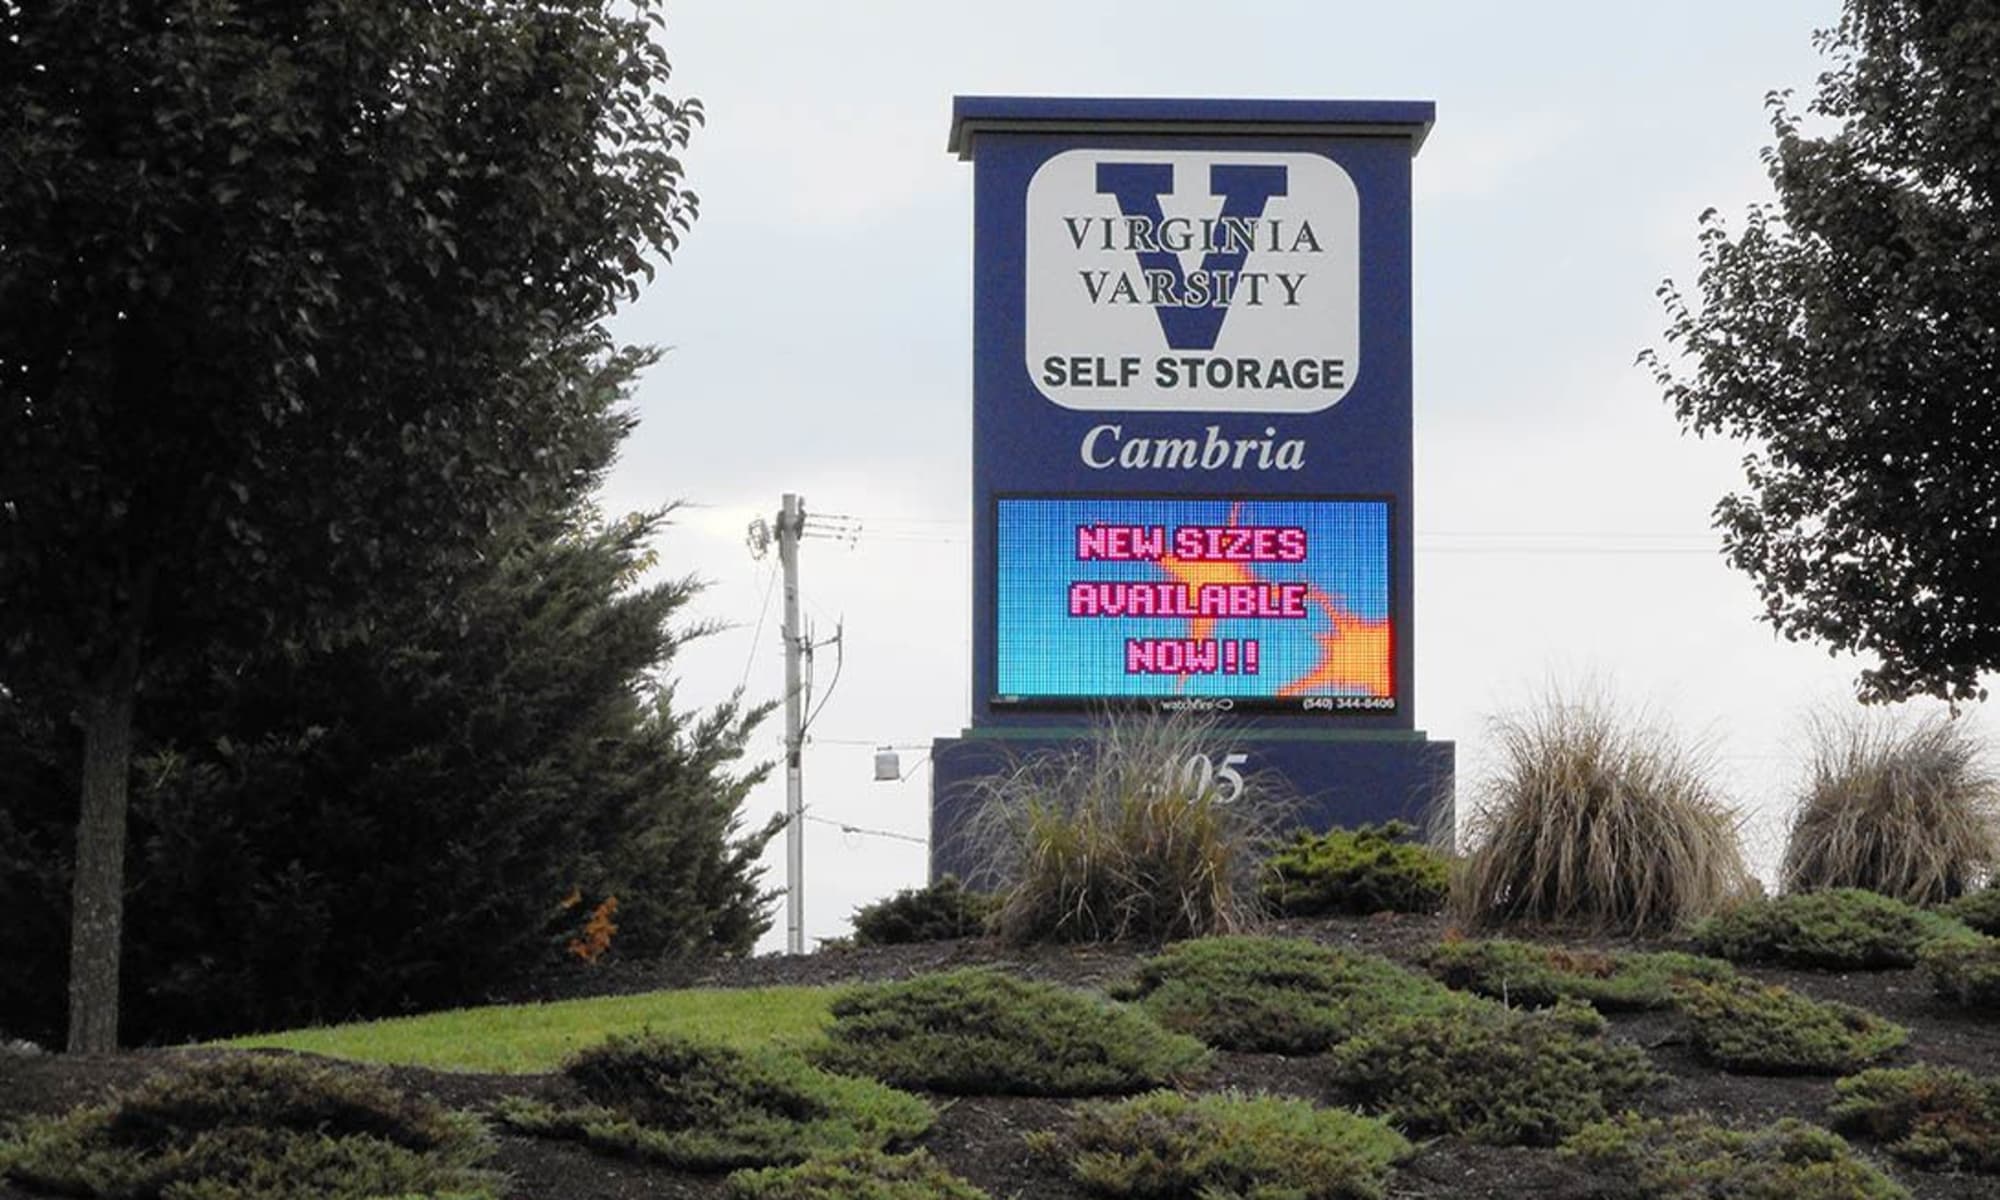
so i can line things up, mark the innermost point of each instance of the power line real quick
(839, 659)
(844, 526)
(1566, 550)
(943, 531)
(764, 610)
(1632, 534)
(891, 834)
(913, 520)
(935, 531)
(878, 537)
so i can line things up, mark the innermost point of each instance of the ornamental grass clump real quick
(1764, 1029)
(1535, 975)
(1278, 995)
(702, 1107)
(940, 912)
(1842, 930)
(1907, 809)
(255, 1128)
(1965, 971)
(981, 1031)
(1492, 1074)
(1932, 1117)
(1689, 1158)
(1593, 820)
(855, 1175)
(1221, 1145)
(1371, 869)
(1121, 839)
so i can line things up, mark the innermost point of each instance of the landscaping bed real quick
(982, 1138)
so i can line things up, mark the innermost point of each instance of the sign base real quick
(1341, 779)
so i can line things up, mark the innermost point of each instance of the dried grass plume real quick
(1906, 807)
(1116, 839)
(1594, 817)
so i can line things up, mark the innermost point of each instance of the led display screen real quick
(1231, 604)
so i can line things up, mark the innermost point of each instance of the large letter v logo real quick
(1244, 191)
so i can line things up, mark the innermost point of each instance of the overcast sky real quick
(819, 321)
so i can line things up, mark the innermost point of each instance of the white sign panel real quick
(1193, 281)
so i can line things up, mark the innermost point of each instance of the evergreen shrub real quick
(1492, 1074)
(1688, 1158)
(1845, 929)
(703, 1107)
(1278, 995)
(1979, 910)
(980, 1031)
(1374, 868)
(938, 912)
(1770, 1030)
(392, 825)
(255, 1128)
(1938, 1119)
(1965, 971)
(1225, 1144)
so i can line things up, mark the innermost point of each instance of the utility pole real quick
(791, 525)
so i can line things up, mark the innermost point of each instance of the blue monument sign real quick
(1192, 438)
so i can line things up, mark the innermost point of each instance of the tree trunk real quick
(97, 908)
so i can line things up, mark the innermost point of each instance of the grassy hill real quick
(484, 1059)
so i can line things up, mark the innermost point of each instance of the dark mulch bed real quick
(982, 1138)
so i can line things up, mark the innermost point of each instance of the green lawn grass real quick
(528, 1038)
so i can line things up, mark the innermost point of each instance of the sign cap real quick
(973, 115)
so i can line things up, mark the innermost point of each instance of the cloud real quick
(845, 163)
(1471, 156)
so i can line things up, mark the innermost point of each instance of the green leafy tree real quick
(1848, 332)
(294, 303)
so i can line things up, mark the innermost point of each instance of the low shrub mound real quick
(1965, 971)
(1373, 869)
(1769, 1030)
(1225, 1144)
(1103, 844)
(1907, 809)
(1591, 820)
(855, 1175)
(1938, 1119)
(1692, 1159)
(704, 1107)
(1844, 930)
(1979, 910)
(938, 913)
(1492, 1074)
(1534, 975)
(255, 1128)
(983, 1032)
(1278, 995)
